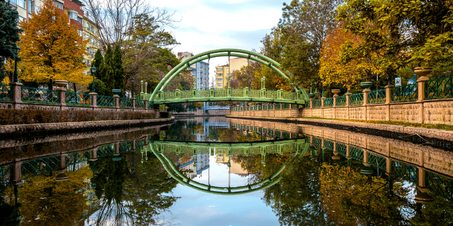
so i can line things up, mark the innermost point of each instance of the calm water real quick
(219, 171)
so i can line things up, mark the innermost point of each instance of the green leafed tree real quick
(118, 75)
(107, 71)
(9, 34)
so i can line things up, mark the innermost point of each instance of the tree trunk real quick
(75, 88)
(50, 85)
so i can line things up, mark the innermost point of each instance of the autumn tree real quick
(51, 48)
(335, 70)
(9, 34)
(418, 33)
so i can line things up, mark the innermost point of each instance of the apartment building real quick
(237, 63)
(222, 73)
(200, 71)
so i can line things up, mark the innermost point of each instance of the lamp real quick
(16, 50)
(93, 72)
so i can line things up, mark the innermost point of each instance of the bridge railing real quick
(245, 94)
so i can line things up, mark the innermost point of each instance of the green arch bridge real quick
(159, 96)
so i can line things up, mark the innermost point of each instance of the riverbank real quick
(370, 128)
(45, 129)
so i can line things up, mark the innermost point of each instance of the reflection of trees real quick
(295, 199)
(45, 201)
(9, 209)
(177, 132)
(142, 197)
(351, 198)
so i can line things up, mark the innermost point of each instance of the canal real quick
(221, 171)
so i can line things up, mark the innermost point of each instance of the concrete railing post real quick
(145, 102)
(16, 88)
(62, 96)
(388, 100)
(133, 103)
(365, 103)
(421, 82)
(94, 99)
(117, 101)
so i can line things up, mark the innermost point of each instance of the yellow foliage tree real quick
(335, 68)
(51, 48)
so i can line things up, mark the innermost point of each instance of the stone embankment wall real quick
(289, 127)
(420, 155)
(282, 113)
(438, 111)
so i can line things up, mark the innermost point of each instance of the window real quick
(227, 74)
(37, 9)
(79, 19)
(31, 6)
(13, 2)
(219, 79)
(72, 15)
(228, 69)
(219, 74)
(21, 3)
(220, 84)
(58, 5)
(219, 69)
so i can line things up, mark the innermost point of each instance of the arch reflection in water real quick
(298, 149)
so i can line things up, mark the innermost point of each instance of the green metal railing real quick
(6, 93)
(317, 103)
(139, 103)
(404, 93)
(340, 101)
(83, 99)
(404, 171)
(38, 95)
(377, 161)
(356, 99)
(439, 88)
(328, 102)
(105, 101)
(227, 94)
(356, 153)
(341, 149)
(376, 96)
(125, 102)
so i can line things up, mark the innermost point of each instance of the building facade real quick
(221, 76)
(237, 63)
(199, 70)
(90, 32)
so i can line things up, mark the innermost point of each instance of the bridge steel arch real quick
(266, 183)
(274, 65)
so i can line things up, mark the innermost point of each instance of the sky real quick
(213, 24)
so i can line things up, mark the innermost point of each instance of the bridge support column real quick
(365, 158)
(388, 166)
(16, 173)
(133, 145)
(61, 172)
(422, 190)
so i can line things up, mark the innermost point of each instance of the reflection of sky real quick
(200, 208)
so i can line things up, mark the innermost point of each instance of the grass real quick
(398, 123)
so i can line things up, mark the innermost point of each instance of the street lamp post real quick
(132, 79)
(16, 50)
(93, 72)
